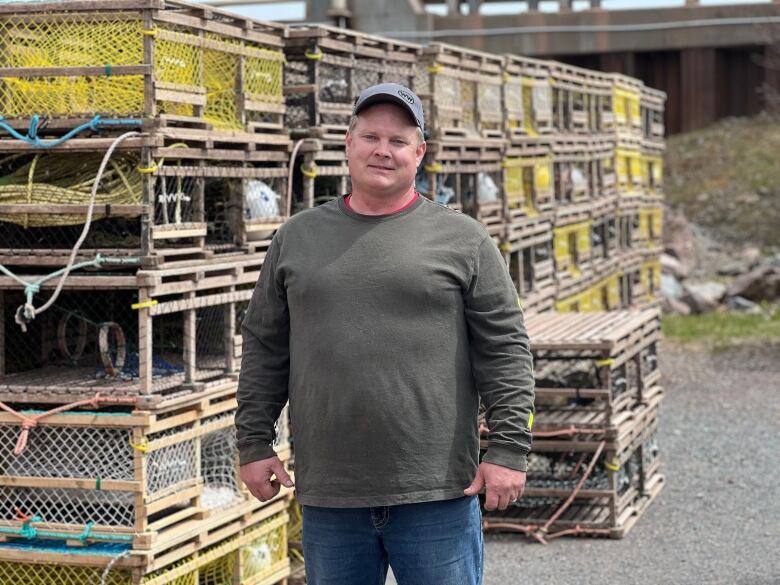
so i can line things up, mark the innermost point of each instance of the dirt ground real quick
(717, 521)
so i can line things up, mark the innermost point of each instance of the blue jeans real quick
(433, 543)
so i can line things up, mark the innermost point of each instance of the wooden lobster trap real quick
(141, 213)
(652, 156)
(327, 69)
(572, 249)
(652, 102)
(462, 93)
(650, 234)
(594, 483)
(322, 175)
(626, 104)
(528, 97)
(467, 176)
(603, 177)
(577, 97)
(110, 64)
(527, 248)
(152, 335)
(529, 186)
(609, 358)
(631, 173)
(250, 552)
(573, 178)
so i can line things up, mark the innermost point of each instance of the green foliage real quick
(721, 329)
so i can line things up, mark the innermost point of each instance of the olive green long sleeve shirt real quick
(384, 332)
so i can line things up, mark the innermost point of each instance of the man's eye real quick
(399, 141)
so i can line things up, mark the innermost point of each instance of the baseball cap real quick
(393, 93)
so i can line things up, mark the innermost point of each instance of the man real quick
(384, 317)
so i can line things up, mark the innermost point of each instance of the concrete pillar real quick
(453, 7)
(474, 6)
(564, 5)
(595, 4)
(533, 5)
(691, 2)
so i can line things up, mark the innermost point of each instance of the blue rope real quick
(94, 124)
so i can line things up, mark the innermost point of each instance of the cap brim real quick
(384, 98)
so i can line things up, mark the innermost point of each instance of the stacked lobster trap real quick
(594, 464)
(144, 166)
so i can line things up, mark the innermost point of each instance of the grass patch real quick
(723, 329)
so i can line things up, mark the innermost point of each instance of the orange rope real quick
(30, 422)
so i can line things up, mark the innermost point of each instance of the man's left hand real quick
(502, 485)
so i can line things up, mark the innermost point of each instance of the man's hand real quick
(502, 485)
(257, 477)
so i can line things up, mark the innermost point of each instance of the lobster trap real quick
(462, 93)
(153, 335)
(652, 103)
(527, 249)
(466, 175)
(132, 477)
(588, 485)
(626, 105)
(528, 97)
(327, 69)
(597, 363)
(603, 177)
(180, 209)
(147, 59)
(573, 177)
(528, 180)
(578, 96)
(253, 555)
(322, 175)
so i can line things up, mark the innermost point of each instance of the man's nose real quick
(382, 149)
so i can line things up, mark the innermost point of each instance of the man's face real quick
(383, 151)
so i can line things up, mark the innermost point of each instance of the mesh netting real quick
(73, 452)
(219, 78)
(68, 506)
(175, 199)
(259, 556)
(170, 465)
(72, 41)
(219, 571)
(33, 574)
(297, 112)
(489, 102)
(55, 178)
(564, 470)
(218, 465)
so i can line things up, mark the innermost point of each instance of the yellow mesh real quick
(513, 186)
(219, 78)
(263, 78)
(260, 557)
(219, 571)
(468, 95)
(77, 41)
(32, 574)
(178, 62)
(67, 179)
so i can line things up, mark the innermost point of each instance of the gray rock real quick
(670, 287)
(734, 269)
(751, 256)
(760, 284)
(713, 292)
(672, 305)
(743, 304)
(673, 266)
(679, 239)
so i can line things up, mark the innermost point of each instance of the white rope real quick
(110, 565)
(29, 311)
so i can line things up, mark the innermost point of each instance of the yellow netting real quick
(260, 556)
(513, 185)
(219, 571)
(32, 574)
(468, 101)
(220, 71)
(263, 78)
(76, 41)
(178, 61)
(67, 179)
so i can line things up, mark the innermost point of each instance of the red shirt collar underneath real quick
(404, 206)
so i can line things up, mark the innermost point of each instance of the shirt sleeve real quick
(501, 359)
(265, 363)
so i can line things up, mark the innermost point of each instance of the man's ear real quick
(421, 148)
(347, 142)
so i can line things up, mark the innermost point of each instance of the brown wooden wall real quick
(703, 85)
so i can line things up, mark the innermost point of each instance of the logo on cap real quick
(406, 96)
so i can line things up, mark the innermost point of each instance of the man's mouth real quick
(380, 168)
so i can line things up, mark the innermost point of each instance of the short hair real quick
(353, 121)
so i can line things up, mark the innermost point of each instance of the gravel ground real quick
(717, 521)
